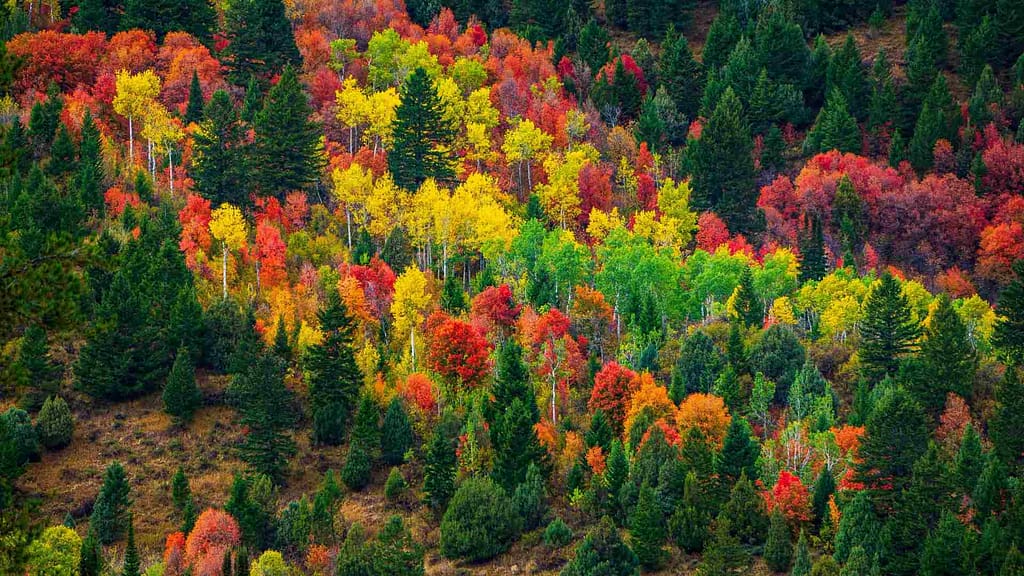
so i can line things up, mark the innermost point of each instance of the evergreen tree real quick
(615, 475)
(396, 433)
(55, 426)
(817, 73)
(110, 512)
(197, 17)
(90, 561)
(888, 331)
(883, 110)
(265, 404)
(945, 550)
(745, 513)
(282, 347)
(969, 460)
(846, 75)
(813, 264)
(196, 104)
(101, 15)
(334, 378)
(650, 128)
(778, 550)
(850, 213)
(422, 138)
(250, 503)
(181, 492)
(516, 446)
(602, 552)
(987, 95)
(356, 472)
(439, 470)
(739, 452)
(601, 432)
(857, 564)
(616, 12)
(698, 366)
(802, 558)
(592, 45)
(511, 382)
(181, 395)
(858, 526)
(824, 488)
(218, 162)
(749, 309)
(1013, 565)
(1008, 336)
(689, 523)
(896, 435)
(723, 34)
(62, 154)
(723, 170)
(647, 530)
(834, 129)
(1009, 23)
(781, 47)
(681, 74)
(938, 120)
(723, 554)
(131, 554)
(453, 297)
(39, 373)
(948, 359)
(261, 40)
(1006, 427)
(897, 150)
(286, 152)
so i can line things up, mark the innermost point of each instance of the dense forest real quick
(373, 288)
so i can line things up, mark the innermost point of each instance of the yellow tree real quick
(560, 197)
(135, 95)
(410, 304)
(453, 222)
(385, 207)
(493, 228)
(419, 219)
(162, 131)
(228, 226)
(352, 110)
(352, 187)
(522, 145)
(381, 117)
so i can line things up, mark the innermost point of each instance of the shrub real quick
(603, 552)
(394, 487)
(528, 499)
(557, 534)
(270, 563)
(480, 522)
(56, 552)
(55, 426)
(356, 473)
(22, 435)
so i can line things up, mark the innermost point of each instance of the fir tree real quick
(858, 526)
(131, 554)
(529, 498)
(262, 42)
(778, 550)
(282, 347)
(698, 366)
(422, 138)
(802, 558)
(896, 435)
(55, 425)
(888, 331)
(748, 307)
(265, 404)
(745, 512)
(616, 12)
(110, 513)
(857, 564)
(181, 395)
(439, 470)
(850, 213)
(781, 46)
(602, 552)
(334, 378)
(196, 105)
(897, 150)
(723, 34)
(1009, 23)
(62, 154)
(647, 530)
(723, 170)
(615, 475)
(969, 460)
(937, 120)
(39, 373)
(813, 264)
(1008, 336)
(824, 488)
(723, 554)
(396, 433)
(1006, 427)
(515, 445)
(847, 76)
(91, 556)
(948, 359)
(286, 152)
(682, 75)
(592, 45)
(945, 551)
(834, 129)
(739, 452)
(356, 472)
(601, 432)
(689, 523)
(218, 162)
(197, 17)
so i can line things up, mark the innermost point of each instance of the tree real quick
(396, 433)
(530, 498)
(1008, 336)
(778, 550)
(603, 552)
(136, 94)
(888, 329)
(722, 166)
(802, 559)
(90, 170)
(1009, 23)
(181, 395)
(363, 445)
(479, 523)
(439, 470)
(813, 263)
(946, 550)
(745, 513)
(778, 355)
(54, 425)
(131, 553)
(39, 373)
(699, 364)
(723, 554)
(181, 493)
(592, 45)
(647, 530)
(689, 523)
(824, 488)
(748, 309)
(261, 40)
(286, 154)
(895, 436)
(948, 359)
(422, 138)
(516, 446)
(197, 17)
(1006, 426)
(333, 376)
(228, 226)
(110, 513)
(56, 552)
(410, 301)
(218, 158)
(101, 15)
(858, 527)
(264, 402)
(739, 452)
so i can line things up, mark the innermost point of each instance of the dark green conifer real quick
(333, 376)
(778, 549)
(181, 396)
(422, 139)
(889, 330)
(286, 153)
(110, 513)
(396, 433)
(261, 40)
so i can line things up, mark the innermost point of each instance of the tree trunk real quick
(224, 271)
(131, 142)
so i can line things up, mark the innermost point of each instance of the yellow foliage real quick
(228, 226)
(601, 223)
(782, 311)
(368, 359)
(649, 395)
(135, 92)
(706, 412)
(385, 207)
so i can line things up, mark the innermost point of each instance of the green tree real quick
(261, 40)
(516, 446)
(218, 160)
(938, 120)
(286, 152)
(396, 433)
(1006, 427)
(181, 395)
(946, 550)
(333, 376)
(698, 366)
(834, 129)
(265, 404)
(181, 492)
(778, 550)
(55, 425)
(647, 530)
(858, 527)
(802, 558)
(749, 309)
(781, 46)
(56, 552)
(824, 488)
(422, 138)
(1009, 23)
(592, 45)
(813, 262)
(603, 552)
(778, 355)
(1008, 336)
(745, 512)
(89, 178)
(480, 522)
(947, 356)
(615, 475)
(688, 525)
(888, 330)
(739, 452)
(530, 498)
(110, 513)
(196, 103)
(91, 557)
(39, 374)
(682, 75)
(723, 34)
(439, 470)
(197, 17)
(850, 213)
(895, 436)
(846, 75)
(724, 554)
(131, 554)
(101, 15)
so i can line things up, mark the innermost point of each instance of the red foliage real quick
(296, 209)
(270, 252)
(712, 232)
(181, 63)
(377, 280)
(791, 497)
(495, 309)
(214, 534)
(1004, 165)
(133, 50)
(195, 228)
(1001, 246)
(672, 437)
(68, 60)
(419, 391)
(174, 554)
(595, 185)
(646, 192)
(955, 283)
(613, 387)
(953, 421)
(117, 200)
(459, 353)
(630, 66)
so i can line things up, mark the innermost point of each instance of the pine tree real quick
(850, 213)
(847, 76)
(218, 162)
(938, 120)
(739, 452)
(745, 512)
(265, 404)
(723, 34)
(439, 471)
(987, 94)
(802, 558)
(824, 488)
(1008, 336)
(682, 75)
(1013, 565)
(262, 42)
(698, 366)
(896, 435)
(748, 307)
(944, 551)
(181, 395)
(101, 15)
(422, 138)
(689, 523)
(948, 359)
(602, 552)
(356, 472)
(723, 554)
(62, 154)
(197, 17)
(647, 530)
(857, 564)
(834, 129)
(781, 46)
(592, 45)
(858, 526)
(897, 150)
(888, 331)
(131, 554)
(39, 373)
(969, 460)
(181, 492)
(196, 105)
(1009, 23)
(516, 446)
(55, 425)
(396, 433)
(978, 48)
(110, 513)
(778, 550)
(1006, 427)
(723, 169)
(286, 152)
(601, 432)
(90, 557)
(282, 347)
(616, 473)
(616, 12)
(334, 378)
(813, 264)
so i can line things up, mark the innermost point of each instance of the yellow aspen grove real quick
(163, 132)
(352, 187)
(228, 226)
(522, 145)
(135, 95)
(410, 304)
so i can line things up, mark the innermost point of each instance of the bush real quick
(55, 426)
(181, 395)
(22, 435)
(270, 563)
(480, 522)
(557, 534)
(603, 552)
(395, 486)
(356, 473)
(528, 499)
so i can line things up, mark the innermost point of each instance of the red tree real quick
(215, 533)
(459, 353)
(613, 387)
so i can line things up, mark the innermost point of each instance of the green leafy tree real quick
(110, 513)
(888, 330)
(480, 522)
(181, 395)
(422, 138)
(778, 355)
(333, 376)
(286, 152)
(778, 549)
(261, 39)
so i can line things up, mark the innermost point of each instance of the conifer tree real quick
(55, 425)
(197, 17)
(896, 435)
(1006, 428)
(1008, 336)
(181, 492)
(218, 162)
(282, 347)
(850, 213)
(682, 75)
(723, 554)
(722, 166)
(802, 558)
(601, 432)
(937, 120)
(781, 46)
(62, 154)
(857, 564)
(261, 39)
(698, 366)
(888, 331)
(439, 470)
(334, 378)
(824, 488)
(858, 526)
(748, 307)
(778, 550)
(813, 264)
(647, 530)
(39, 373)
(286, 152)
(847, 76)
(196, 105)
(834, 129)
(602, 552)
(265, 404)
(396, 433)
(944, 552)
(723, 34)
(948, 359)
(617, 12)
(1009, 23)
(131, 554)
(422, 138)
(689, 523)
(592, 45)
(101, 15)
(110, 513)
(515, 445)
(90, 561)
(739, 452)
(745, 512)
(181, 395)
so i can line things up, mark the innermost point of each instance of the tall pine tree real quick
(286, 147)
(334, 378)
(888, 331)
(422, 138)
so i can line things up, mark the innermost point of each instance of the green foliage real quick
(858, 527)
(55, 425)
(802, 558)
(778, 549)
(110, 512)
(647, 530)
(395, 486)
(824, 488)
(396, 433)
(688, 525)
(91, 556)
(739, 451)
(592, 45)
(947, 549)
(682, 75)
(603, 552)
(57, 552)
(834, 129)
(262, 43)
(557, 534)
(888, 331)
(250, 504)
(516, 446)
(439, 470)
(265, 405)
(480, 522)
(530, 499)
(333, 377)
(218, 158)
(745, 513)
(778, 355)
(356, 472)
(131, 555)
(286, 152)
(39, 374)
(181, 396)
(723, 554)
(1006, 427)
(1008, 336)
(422, 137)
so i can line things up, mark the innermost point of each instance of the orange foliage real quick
(668, 432)
(48, 56)
(174, 554)
(132, 50)
(613, 385)
(459, 353)
(214, 534)
(712, 232)
(596, 460)
(419, 391)
(848, 438)
(318, 559)
(117, 200)
(706, 412)
(547, 435)
(195, 228)
(270, 253)
(648, 395)
(953, 421)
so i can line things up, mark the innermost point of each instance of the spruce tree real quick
(197, 17)
(778, 550)
(948, 359)
(333, 376)
(1008, 336)
(396, 433)
(698, 366)
(745, 512)
(196, 103)
(688, 525)
(39, 373)
(857, 564)
(1006, 427)
(723, 169)
(592, 45)
(739, 452)
(938, 120)
(802, 558)
(781, 46)
(749, 309)
(888, 331)
(110, 513)
(723, 34)
(265, 404)
(262, 42)
(422, 138)
(895, 436)
(181, 492)
(62, 154)
(616, 473)
(181, 395)
(850, 213)
(723, 554)
(969, 460)
(282, 347)
(834, 129)
(90, 561)
(55, 425)
(681, 74)
(813, 264)
(945, 551)
(601, 432)
(131, 554)
(847, 76)
(647, 530)
(1009, 23)
(858, 526)
(439, 470)
(516, 446)
(218, 162)
(602, 552)
(824, 488)
(286, 152)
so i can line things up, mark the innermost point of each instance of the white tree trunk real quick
(224, 271)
